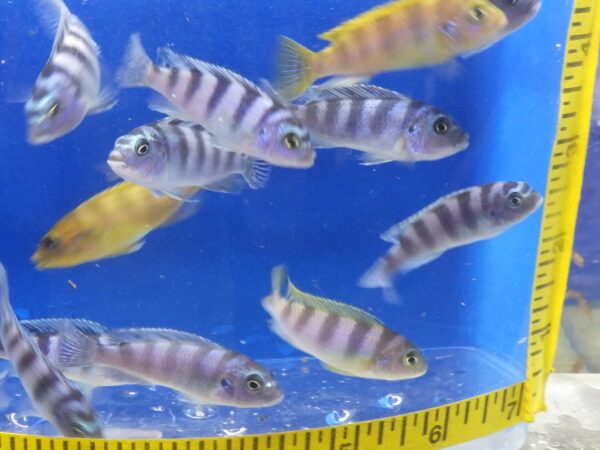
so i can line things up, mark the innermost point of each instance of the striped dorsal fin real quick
(38, 327)
(352, 92)
(130, 335)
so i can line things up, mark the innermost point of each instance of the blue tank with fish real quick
(220, 218)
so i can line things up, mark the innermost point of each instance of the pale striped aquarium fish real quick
(346, 339)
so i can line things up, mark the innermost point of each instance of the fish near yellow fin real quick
(294, 69)
(336, 370)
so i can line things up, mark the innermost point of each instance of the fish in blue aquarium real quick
(518, 12)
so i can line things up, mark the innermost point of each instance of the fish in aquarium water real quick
(384, 124)
(170, 155)
(396, 35)
(111, 223)
(69, 86)
(346, 339)
(517, 12)
(242, 117)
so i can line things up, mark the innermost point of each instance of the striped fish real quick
(49, 391)
(169, 155)
(68, 88)
(347, 340)
(238, 113)
(385, 124)
(518, 12)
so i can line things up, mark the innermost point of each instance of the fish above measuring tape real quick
(170, 155)
(401, 34)
(347, 340)
(69, 86)
(518, 12)
(460, 218)
(385, 124)
(242, 117)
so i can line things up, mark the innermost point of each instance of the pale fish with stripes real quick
(346, 339)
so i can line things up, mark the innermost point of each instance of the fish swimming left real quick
(518, 12)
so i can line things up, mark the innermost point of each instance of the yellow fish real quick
(398, 35)
(111, 223)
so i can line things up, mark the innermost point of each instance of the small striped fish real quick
(347, 340)
(461, 218)
(49, 391)
(238, 113)
(68, 88)
(170, 154)
(385, 124)
(518, 12)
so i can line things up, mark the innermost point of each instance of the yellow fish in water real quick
(111, 223)
(398, 35)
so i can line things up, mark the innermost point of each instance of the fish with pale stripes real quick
(346, 339)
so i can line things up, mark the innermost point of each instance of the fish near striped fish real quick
(518, 12)
(346, 340)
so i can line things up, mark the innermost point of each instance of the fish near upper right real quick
(518, 12)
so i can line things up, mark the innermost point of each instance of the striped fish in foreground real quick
(347, 340)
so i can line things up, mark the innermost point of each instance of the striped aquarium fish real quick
(518, 12)
(385, 124)
(347, 340)
(68, 88)
(169, 155)
(49, 391)
(461, 218)
(241, 116)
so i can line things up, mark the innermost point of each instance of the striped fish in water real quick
(518, 12)
(347, 340)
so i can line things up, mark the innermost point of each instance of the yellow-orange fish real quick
(398, 35)
(111, 223)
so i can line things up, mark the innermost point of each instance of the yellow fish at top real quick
(398, 35)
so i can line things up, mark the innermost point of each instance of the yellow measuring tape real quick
(479, 416)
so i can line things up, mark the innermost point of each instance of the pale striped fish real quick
(347, 340)
(241, 116)
(49, 391)
(68, 88)
(385, 124)
(170, 155)
(518, 12)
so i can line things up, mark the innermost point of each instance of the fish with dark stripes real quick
(346, 339)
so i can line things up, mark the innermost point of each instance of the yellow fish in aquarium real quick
(111, 223)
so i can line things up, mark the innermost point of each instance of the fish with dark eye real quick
(518, 12)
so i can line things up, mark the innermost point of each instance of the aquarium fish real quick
(170, 154)
(346, 339)
(385, 124)
(68, 88)
(518, 12)
(112, 223)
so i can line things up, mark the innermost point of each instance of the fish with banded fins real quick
(517, 12)
(346, 339)
(242, 117)
(169, 155)
(388, 126)
(69, 86)
(400, 34)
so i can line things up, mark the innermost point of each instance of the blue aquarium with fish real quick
(235, 218)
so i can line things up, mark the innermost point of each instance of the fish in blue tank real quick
(518, 12)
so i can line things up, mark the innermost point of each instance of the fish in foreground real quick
(347, 340)
(169, 155)
(112, 223)
(518, 12)
(241, 116)
(68, 88)
(460, 218)
(51, 394)
(385, 124)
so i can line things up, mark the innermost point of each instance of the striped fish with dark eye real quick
(518, 12)
(385, 124)
(49, 391)
(68, 88)
(347, 340)
(241, 116)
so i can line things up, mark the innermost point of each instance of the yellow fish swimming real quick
(397, 35)
(111, 223)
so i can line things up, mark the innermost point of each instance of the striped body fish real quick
(238, 113)
(400, 34)
(49, 391)
(112, 223)
(68, 88)
(518, 12)
(385, 124)
(170, 155)
(347, 340)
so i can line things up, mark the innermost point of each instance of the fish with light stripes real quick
(346, 339)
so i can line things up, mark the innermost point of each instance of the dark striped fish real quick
(169, 155)
(385, 124)
(68, 88)
(238, 113)
(347, 340)
(49, 391)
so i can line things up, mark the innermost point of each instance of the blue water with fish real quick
(466, 310)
